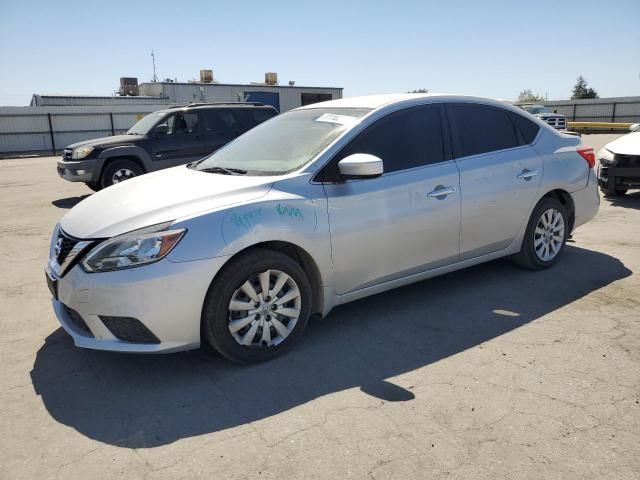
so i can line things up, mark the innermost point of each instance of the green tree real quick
(420, 90)
(582, 90)
(527, 96)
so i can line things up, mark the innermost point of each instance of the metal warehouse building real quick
(283, 98)
(52, 122)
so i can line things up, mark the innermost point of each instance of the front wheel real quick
(257, 307)
(545, 237)
(119, 171)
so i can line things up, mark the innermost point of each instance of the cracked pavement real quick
(488, 373)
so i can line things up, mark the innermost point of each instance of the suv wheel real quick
(545, 237)
(119, 171)
(257, 307)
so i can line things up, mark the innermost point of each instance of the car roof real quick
(204, 106)
(379, 101)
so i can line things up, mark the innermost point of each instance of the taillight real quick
(588, 154)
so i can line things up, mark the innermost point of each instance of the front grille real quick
(78, 322)
(61, 171)
(627, 161)
(557, 123)
(129, 329)
(66, 156)
(64, 245)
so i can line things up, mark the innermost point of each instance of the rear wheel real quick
(119, 171)
(545, 237)
(257, 307)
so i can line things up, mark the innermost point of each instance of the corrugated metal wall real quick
(29, 130)
(618, 109)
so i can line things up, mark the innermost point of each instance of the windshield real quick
(284, 143)
(535, 109)
(145, 124)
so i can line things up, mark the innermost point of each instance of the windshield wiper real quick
(223, 171)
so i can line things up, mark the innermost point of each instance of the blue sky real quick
(485, 48)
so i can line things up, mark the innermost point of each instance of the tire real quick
(122, 168)
(247, 343)
(614, 192)
(532, 253)
(96, 187)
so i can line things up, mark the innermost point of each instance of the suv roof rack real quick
(254, 104)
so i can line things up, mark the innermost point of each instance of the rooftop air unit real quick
(206, 76)
(271, 78)
(129, 86)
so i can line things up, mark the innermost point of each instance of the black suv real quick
(162, 139)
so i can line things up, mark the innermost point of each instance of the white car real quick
(619, 164)
(316, 207)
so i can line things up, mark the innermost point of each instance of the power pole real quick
(153, 59)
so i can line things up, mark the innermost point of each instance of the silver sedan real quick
(319, 206)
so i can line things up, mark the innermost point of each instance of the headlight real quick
(606, 156)
(133, 249)
(81, 152)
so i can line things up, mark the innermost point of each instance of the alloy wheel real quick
(264, 310)
(548, 235)
(121, 175)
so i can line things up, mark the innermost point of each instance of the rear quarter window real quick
(481, 129)
(528, 129)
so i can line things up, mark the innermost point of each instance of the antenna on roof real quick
(153, 59)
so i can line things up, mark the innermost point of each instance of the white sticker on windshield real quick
(340, 119)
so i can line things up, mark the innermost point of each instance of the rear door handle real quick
(527, 174)
(441, 192)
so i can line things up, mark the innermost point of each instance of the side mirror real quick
(635, 127)
(361, 165)
(161, 129)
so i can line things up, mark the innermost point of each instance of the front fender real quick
(278, 216)
(121, 151)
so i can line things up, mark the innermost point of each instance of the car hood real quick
(626, 145)
(103, 141)
(159, 197)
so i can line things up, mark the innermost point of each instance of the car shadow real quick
(68, 202)
(630, 200)
(136, 401)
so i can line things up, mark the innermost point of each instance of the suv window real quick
(481, 129)
(259, 115)
(406, 139)
(220, 120)
(181, 122)
(255, 116)
(527, 128)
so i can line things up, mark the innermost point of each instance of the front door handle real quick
(527, 174)
(441, 192)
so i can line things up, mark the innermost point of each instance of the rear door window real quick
(255, 116)
(481, 129)
(221, 122)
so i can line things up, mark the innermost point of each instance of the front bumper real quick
(166, 297)
(77, 171)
